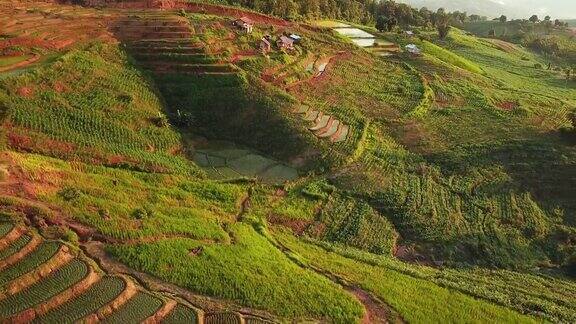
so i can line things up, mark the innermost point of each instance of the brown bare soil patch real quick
(25, 92)
(298, 226)
(376, 312)
(507, 105)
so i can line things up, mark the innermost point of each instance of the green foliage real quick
(37, 257)
(97, 296)
(450, 57)
(14, 246)
(355, 223)
(245, 272)
(58, 281)
(136, 309)
(107, 116)
(406, 293)
(181, 315)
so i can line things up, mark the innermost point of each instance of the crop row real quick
(15, 246)
(5, 228)
(31, 261)
(181, 314)
(138, 308)
(42, 291)
(97, 296)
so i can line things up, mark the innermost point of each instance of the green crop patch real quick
(97, 296)
(58, 281)
(181, 315)
(15, 246)
(31, 261)
(243, 272)
(136, 309)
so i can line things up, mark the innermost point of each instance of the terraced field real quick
(52, 282)
(160, 168)
(33, 34)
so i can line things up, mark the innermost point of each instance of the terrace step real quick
(175, 67)
(96, 297)
(80, 287)
(62, 257)
(148, 23)
(302, 109)
(167, 50)
(181, 314)
(321, 123)
(172, 42)
(326, 127)
(51, 285)
(136, 310)
(161, 313)
(222, 317)
(14, 233)
(173, 59)
(20, 254)
(311, 115)
(15, 246)
(152, 28)
(331, 131)
(341, 134)
(129, 291)
(155, 35)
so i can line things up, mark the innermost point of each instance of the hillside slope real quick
(322, 183)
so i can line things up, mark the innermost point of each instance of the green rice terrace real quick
(193, 162)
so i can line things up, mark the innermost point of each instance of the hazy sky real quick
(512, 8)
(556, 8)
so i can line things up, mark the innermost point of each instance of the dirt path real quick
(375, 311)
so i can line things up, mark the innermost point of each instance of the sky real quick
(554, 8)
(563, 9)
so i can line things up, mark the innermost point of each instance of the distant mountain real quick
(510, 8)
(487, 8)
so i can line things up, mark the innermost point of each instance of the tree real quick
(547, 18)
(474, 18)
(385, 23)
(382, 23)
(503, 19)
(442, 23)
(534, 19)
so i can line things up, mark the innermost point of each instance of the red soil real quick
(241, 55)
(375, 312)
(26, 92)
(298, 226)
(507, 105)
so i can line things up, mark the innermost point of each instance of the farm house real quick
(285, 42)
(265, 45)
(245, 24)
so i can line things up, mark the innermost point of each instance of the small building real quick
(265, 45)
(296, 38)
(413, 49)
(409, 33)
(285, 42)
(244, 23)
